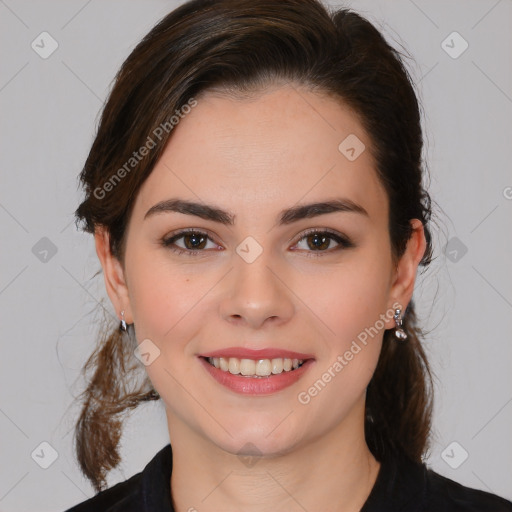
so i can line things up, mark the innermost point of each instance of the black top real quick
(401, 485)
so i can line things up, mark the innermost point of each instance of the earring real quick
(400, 334)
(122, 326)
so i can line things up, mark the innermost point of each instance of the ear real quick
(405, 273)
(113, 272)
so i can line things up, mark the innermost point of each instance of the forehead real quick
(266, 151)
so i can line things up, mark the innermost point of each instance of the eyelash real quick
(343, 241)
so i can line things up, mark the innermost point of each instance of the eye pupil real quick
(194, 241)
(319, 238)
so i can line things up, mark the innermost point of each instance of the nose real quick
(256, 293)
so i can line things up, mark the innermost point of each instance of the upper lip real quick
(264, 353)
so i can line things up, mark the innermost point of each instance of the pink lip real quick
(265, 353)
(256, 385)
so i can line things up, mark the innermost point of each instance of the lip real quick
(264, 353)
(254, 386)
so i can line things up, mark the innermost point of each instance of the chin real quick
(255, 446)
(253, 436)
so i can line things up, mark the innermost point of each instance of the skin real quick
(254, 157)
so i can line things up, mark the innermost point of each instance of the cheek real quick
(350, 310)
(166, 307)
(160, 297)
(347, 299)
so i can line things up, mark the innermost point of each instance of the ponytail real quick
(112, 391)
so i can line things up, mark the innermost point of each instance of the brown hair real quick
(243, 46)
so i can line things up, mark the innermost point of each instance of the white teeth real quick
(234, 365)
(255, 368)
(263, 368)
(277, 365)
(247, 367)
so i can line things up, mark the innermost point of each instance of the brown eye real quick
(318, 241)
(188, 242)
(323, 242)
(195, 241)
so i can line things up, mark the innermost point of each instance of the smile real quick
(255, 377)
(256, 368)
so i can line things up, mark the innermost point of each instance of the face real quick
(259, 276)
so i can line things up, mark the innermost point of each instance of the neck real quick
(333, 473)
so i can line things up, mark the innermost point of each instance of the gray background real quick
(47, 299)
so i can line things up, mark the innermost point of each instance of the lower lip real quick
(256, 385)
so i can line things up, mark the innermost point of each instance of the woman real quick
(255, 193)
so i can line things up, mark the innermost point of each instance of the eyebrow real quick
(287, 216)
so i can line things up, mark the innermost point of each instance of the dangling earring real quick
(400, 334)
(122, 326)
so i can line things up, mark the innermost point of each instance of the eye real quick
(323, 241)
(192, 242)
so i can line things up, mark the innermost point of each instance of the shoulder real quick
(148, 490)
(442, 493)
(125, 496)
(404, 485)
